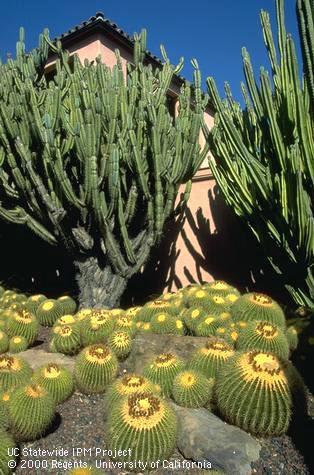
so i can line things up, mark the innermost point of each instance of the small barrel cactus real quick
(57, 379)
(83, 313)
(191, 389)
(4, 342)
(126, 386)
(31, 411)
(145, 424)
(292, 337)
(95, 367)
(263, 336)
(17, 344)
(96, 327)
(192, 317)
(127, 324)
(151, 308)
(121, 343)
(164, 323)
(257, 306)
(220, 287)
(207, 326)
(163, 369)
(132, 312)
(23, 323)
(210, 358)
(48, 312)
(145, 327)
(14, 371)
(257, 391)
(67, 340)
(34, 301)
(86, 471)
(7, 444)
(68, 304)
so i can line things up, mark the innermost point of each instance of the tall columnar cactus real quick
(93, 160)
(263, 156)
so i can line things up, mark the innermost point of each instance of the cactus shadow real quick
(228, 251)
(159, 272)
(54, 426)
(30, 265)
(301, 432)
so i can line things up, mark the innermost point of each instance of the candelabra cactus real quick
(93, 162)
(263, 155)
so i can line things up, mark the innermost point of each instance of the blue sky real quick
(212, 31)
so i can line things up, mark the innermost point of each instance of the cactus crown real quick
(16, 339)
(9, 363)
(200, 294)
(24, 316)
(35, 391)
(46, 306)
(51, 371)
(121, 338)
(261, 299)
(65, 331)
(165, 360)
(161, 317)
(218, 299)
(220, 285)
(98, 354)
(267, 368)
(187, 379)
(266, 330)
(217, 348)
(143, 410)
(66, 319)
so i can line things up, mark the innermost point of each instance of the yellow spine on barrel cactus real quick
(95, 368)
(14, 372)
(257, 391)
(126, 386)
(210, 358)
(163, 369)
(144, 427)
(257, 306)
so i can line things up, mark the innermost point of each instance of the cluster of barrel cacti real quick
(264, 153)
(245, 351)
(21, 317)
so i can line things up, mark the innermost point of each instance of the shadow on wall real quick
(228, 252)
(31, 265)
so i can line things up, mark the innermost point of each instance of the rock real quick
(148, 345)
(36, 357)
(202, 436)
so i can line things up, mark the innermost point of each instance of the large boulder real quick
(203, 437)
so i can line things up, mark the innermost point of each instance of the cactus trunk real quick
(98, 286)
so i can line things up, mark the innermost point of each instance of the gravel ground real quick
(79, 424)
